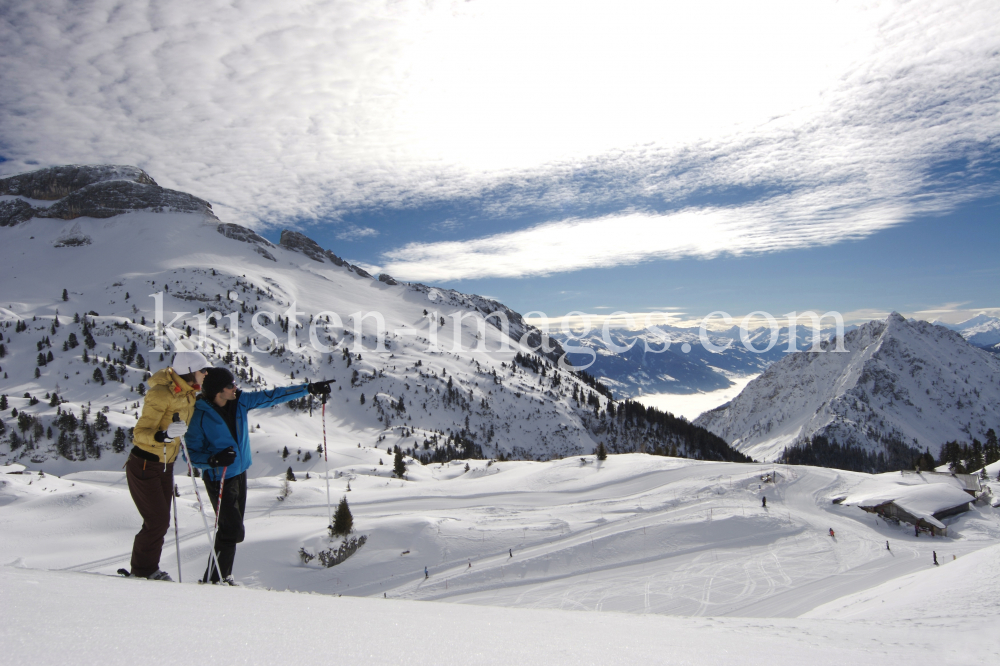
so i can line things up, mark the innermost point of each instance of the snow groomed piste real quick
(633, 533)
(636, 534)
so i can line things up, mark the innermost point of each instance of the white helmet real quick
(186, 362)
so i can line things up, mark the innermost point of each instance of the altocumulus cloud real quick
(627, 126)
(910, 130)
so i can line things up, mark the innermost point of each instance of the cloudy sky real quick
(558, 156)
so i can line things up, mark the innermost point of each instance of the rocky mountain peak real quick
(293, 240)
(297, 242)
(57, 182)
(99, 191)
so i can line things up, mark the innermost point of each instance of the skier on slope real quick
(150, 465)
(219, 442)
(763, 502)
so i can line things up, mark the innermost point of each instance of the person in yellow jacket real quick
(150, 465)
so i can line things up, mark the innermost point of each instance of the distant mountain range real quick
(684, 367)
(902, 387)
(982, 331)
(635, 371)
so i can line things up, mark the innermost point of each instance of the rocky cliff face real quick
(57, 182)
(902, 386)
(244, 235)
(90, 191)
(293, 240)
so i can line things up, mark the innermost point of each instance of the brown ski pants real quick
(151, 488)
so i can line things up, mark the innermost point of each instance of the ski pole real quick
(213, 557)
(218, 503)
(177, 538)
(215, 529)
(326, 463)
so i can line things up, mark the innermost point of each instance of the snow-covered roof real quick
(921, 501)
(967, 482)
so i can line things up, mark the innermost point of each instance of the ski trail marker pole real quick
(213, 557)
(326, 462)
(177, 538)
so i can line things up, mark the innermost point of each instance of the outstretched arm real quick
(271, 397)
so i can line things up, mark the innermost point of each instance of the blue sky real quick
(557, 156)
(940, 266)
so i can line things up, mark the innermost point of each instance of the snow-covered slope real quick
(414, 366)
(549, 543)
(981, 330)
(902, 385)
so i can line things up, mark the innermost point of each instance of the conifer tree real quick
(118, 443)
(602, 453)
(343, 521)
(289, 474)
(398, 466)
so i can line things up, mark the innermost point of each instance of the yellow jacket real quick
(168, 395)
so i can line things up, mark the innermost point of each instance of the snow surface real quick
(643, 536)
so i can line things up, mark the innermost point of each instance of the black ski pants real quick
(230, 512)
(152, 488)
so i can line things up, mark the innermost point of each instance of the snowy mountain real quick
(89, 253)
(902, 387)
(638, 362)
(981, 330)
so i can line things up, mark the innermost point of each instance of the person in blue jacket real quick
(218, 441)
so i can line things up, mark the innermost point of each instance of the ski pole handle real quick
(177, 417)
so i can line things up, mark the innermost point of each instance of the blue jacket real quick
(208, 433)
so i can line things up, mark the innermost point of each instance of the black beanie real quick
(215, 380)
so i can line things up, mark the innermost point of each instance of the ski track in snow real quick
(680, 552)
(635, 534)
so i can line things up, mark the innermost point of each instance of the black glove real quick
(320, 388)
(223, 458)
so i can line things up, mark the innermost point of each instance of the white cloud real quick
(353, 232)
(613, 240)
(838, 111)
(446, 226)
